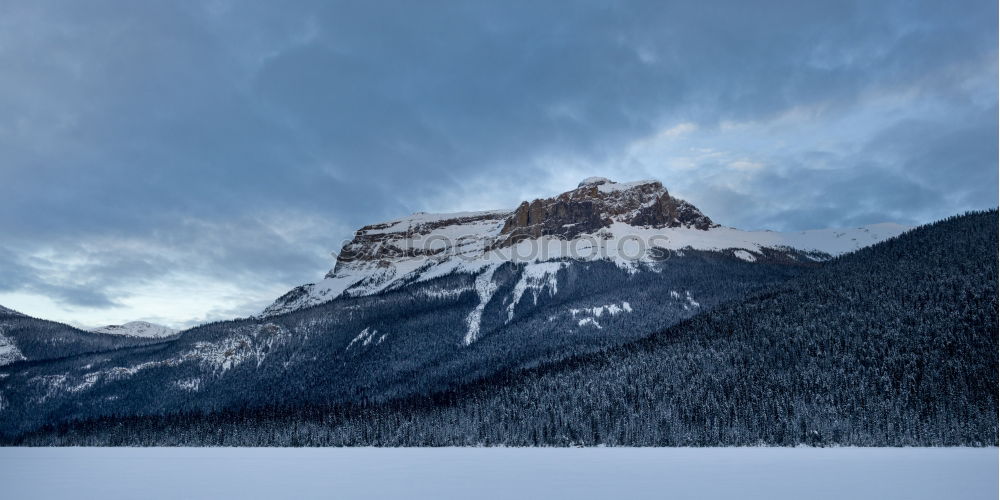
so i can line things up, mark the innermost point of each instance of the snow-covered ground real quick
(442, 473)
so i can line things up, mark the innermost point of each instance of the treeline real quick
(894, 345)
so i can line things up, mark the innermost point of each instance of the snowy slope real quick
(425, 246)
(142, 329)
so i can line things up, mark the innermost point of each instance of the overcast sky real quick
(186, 161)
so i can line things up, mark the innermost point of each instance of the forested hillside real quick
(895, 344)
(387, 346)
(27, 339)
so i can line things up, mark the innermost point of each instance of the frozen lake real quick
(477, 473)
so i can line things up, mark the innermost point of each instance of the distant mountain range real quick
(432, 312)
(27, 339)
(143, 329)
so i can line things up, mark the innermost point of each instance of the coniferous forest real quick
(892, 345)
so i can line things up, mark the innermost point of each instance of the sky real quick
(181, 162)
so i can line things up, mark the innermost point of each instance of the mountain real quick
(892, 345)
(142, 329)
(629, 224)
(28, 339)
(429, 302)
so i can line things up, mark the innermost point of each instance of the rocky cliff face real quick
(597, 203)
(396, 239)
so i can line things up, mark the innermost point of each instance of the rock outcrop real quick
(380, 242)
(597, 203)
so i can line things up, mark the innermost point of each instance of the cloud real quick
(149, 146)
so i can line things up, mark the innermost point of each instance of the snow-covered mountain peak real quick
(627, 223)
(143, 329)
(594, 181)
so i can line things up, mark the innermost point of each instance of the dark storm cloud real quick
(196, 135)
(21, 276)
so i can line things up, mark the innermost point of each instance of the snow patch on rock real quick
(365, 337)
(192, 384)
(691, 303)
(535, 277)
(485, 288)
(745, 255)
(589, 181)
(597, 312)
